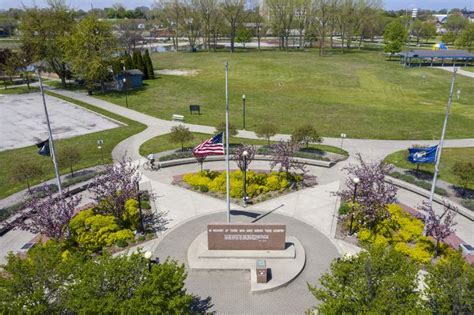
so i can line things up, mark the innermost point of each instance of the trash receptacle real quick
(262, 276)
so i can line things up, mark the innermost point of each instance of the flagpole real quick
(227, 140)
(441, 141)
(51, 142)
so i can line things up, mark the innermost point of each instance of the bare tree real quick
(282, 13)
(191, 22)
(129, 35)
(303, 18)
(208, 10)
(234, 12)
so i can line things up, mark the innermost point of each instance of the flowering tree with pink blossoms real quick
(118, 184)
(283, 157)
(439, 226)
(50, 215)
(239, 155)
(371, 195)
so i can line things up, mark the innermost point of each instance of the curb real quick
(257, 158)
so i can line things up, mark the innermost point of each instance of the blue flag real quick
(422, 155)
(44, 148)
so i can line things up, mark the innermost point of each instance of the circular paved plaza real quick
(229, 291)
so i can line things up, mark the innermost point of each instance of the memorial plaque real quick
(246, 236)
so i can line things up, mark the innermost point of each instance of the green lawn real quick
(449, 156)
(357, 93)
(86, 143)
(163, 143)
(18, 90)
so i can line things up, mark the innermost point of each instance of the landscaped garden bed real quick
(261, 185)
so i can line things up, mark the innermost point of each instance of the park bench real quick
(177, 117)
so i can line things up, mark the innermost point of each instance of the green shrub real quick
(122, 243)
(145, 204)
(203, 188)
(344, 208)
(468, 204)
(131, 215)
(420, 183)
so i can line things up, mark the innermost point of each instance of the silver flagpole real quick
(227, 140)
(441, 141)
(51, 142)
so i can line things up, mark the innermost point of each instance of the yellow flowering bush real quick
(404, 232)
(257, 183)
(93, 231)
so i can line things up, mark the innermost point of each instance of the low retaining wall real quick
(425, 193)
(257, 158)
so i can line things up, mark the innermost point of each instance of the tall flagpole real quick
(227, 140)
(441, 142)
(51, 142)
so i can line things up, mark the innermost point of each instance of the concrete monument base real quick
(284, 265)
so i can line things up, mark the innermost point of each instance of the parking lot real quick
(23, 122)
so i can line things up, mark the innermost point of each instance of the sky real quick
(388, 4)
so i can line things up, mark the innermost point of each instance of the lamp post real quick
(139, 197)
(245, 155)
(147, 255)
(356, 181)
(125, 89)
(100, 146)
(243, 107)
(343, 136)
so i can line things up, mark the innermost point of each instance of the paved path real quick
(371, 149)
(460, 71)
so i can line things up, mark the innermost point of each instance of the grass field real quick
(87, 144)
(357, 93)
(163, 143)
(449, 156)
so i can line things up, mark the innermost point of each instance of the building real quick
(133, 79)
(468, 15)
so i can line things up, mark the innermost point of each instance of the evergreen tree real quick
(148, 65)
(127, 61)
(135, 59)
(141, 65)
(117, 66)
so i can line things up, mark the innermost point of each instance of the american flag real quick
(213, 146)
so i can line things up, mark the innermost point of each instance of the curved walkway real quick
(229, 290)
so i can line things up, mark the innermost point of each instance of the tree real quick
(306, 134)
(450, 286)
(68, 156)
(243, 36)
(148, 65)
(181, 134)
(90, 50)
(455, 24)
(464, 171)
(379, 280)
(234, 12)
(51, 214)
(394, 36)
(44, 32)
(52, 280)
(373, 194)
(221, 128)
(191, 22)
(416, 29)
(260, 24)
(118, 184)
(266, 130)
(239, 155)
(439, 226)
(284, 152)
(25, 171)
(393, 48)
(428, 31)
(129, 34)
(466, 39)
(127, 61)
(139, 64)
(135, 57)
(208, 10)
(281, 13)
